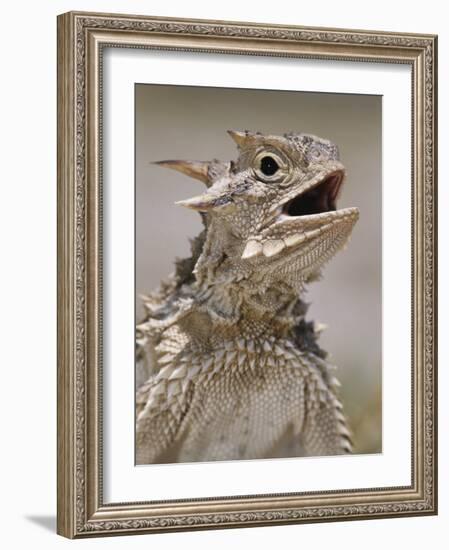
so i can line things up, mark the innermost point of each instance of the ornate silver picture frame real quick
(83, 511)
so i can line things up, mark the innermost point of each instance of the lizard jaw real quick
(286, 235)
(308, 216)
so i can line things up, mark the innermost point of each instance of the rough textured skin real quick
(228, 367)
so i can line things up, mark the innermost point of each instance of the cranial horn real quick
(207, 201)
(201, 203)
(242, 138)
(194, 169)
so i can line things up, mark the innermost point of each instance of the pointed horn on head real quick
(201, 203)
(198, 170)
(207, 202)
(242, 138)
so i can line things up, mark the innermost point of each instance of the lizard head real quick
(271, 216)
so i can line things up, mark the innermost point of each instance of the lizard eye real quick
(268, 166)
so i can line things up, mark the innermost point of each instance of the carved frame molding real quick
(81, 39)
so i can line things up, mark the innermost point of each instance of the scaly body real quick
(228, 366)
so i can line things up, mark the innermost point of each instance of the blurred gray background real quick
(181, 122)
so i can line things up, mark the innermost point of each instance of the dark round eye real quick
(269, 166)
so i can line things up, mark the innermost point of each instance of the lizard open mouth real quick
(321, 198)
(304, 218)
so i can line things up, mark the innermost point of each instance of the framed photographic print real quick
(246, 274)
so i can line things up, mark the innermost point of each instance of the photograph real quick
(258, 274)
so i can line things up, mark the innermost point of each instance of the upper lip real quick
(320, 198)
